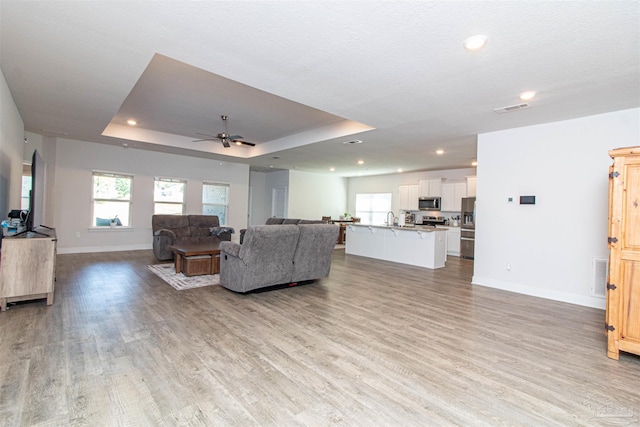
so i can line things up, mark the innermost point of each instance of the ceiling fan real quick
(224, 137)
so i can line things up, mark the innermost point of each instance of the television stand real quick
(27, 270)
(34, 231)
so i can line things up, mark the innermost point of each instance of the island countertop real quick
(418, 245)
(421, 228)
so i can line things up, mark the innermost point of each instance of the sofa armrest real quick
(164, 232)
(230, 248)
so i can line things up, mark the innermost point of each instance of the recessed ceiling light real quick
(399, 170)
(440, 151)
(361, 162)
(132, 122)
(475, 42)
(332, 169)
(474, 163)
(530, 94)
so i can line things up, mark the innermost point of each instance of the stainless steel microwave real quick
(429, 203)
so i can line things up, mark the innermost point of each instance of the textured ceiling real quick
(301, 78)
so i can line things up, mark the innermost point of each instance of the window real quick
(111, 199)
(372, 208)
(26, 187)
(215, 200)
(168, 196)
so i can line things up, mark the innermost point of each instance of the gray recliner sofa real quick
(279, 221)
(277, 254)
(185, 230)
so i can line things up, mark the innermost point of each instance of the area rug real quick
(179, 281)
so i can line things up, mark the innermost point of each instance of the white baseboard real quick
(519, 288)
(91, 249)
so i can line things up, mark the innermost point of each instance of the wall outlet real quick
(508, 266)
(77, 234)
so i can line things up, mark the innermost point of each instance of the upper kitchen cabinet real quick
(452, 194)
(471, 186)
(430, 187)
(408, 197)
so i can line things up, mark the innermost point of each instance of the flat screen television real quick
(36, 196)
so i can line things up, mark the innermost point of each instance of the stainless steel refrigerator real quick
(468, 228)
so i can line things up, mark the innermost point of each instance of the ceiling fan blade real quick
(251, 144)
(234, 137)
(206, 134)
(206, 139)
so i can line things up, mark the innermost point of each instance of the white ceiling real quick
(300, 78)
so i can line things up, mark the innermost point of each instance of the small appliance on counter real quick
(409, 218)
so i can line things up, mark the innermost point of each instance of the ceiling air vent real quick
(511, 108)
(355, 141)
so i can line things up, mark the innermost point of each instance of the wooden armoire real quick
(623, 285)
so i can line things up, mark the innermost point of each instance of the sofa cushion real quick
(179, 224)
(312, 259)
(291, 221)
(273, 221)
(200, 225)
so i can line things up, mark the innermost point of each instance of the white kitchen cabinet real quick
(453, 241)
(408, 197)
(471, 186)
(452, 194)
(430, 187)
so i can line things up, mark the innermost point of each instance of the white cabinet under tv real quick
(27, 267)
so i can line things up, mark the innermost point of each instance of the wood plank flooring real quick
(375, 344)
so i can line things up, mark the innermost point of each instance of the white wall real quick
(75, 163)
(11, 147)
(390, 184)
(258, 204)
(312, 195)
(551, 245)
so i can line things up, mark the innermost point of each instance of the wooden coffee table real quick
(193, 260)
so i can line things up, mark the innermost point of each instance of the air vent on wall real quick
(511, 108)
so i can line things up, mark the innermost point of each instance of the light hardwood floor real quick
(375, 344)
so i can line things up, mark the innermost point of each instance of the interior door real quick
(279, 202)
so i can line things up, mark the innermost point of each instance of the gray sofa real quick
(185, 230)
(277, 254)
(280, 221)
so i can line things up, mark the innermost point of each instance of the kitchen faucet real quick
(392, 216)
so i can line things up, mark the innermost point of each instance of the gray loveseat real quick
(185, 230)
(277, 254)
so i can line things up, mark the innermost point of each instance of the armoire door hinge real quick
(611, 287)
(609, 327)
(612, 239)
(614, 174)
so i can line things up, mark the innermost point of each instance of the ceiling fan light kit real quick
(224, 137)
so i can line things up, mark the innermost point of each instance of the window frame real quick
(226, 206)
(129, 176)
(183, 204)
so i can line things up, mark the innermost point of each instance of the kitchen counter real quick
(422, 246)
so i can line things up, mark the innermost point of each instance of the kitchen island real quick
(420, 246)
